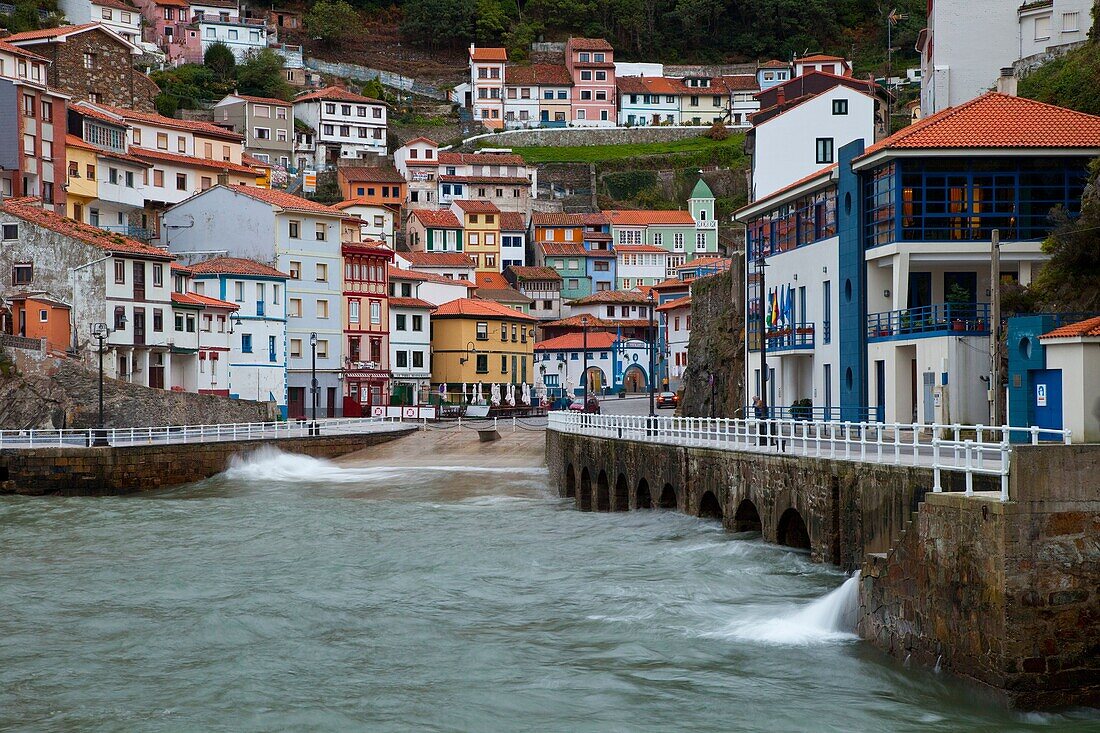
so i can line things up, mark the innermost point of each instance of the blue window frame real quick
(803, 221)
(271, 348)
(246, 343)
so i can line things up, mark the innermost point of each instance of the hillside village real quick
(198, 254)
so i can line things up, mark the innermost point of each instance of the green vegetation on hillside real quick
(192, 86)
(1068, 81)
(30, 15)
(691, 151)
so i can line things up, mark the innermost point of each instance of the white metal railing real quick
(177, 434)
(969, 449)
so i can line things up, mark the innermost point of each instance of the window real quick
(482, 331)
(296, 348)
(353, 311)
(246, 343)
(158, 319)
(47, 112)
(158, 178)
(418, 323)
(601, 76)
(1070, 22)
(503, 363)
(294, 308)
(418, 359)
(840, 106)
(120, 318)
(22, 273)
(824, 150)
(47, 154)
(120, 272)
(482, 364)
(586, 76)
(162, 141)
(375, 312)
(401, 322)
(586, 95)
(28, 144)
(129, 179)
(205, 182)
(1042, 28)
(181, 144)
(181, 181)
(322, 309)
(263, 133)
(584, 57)
(402, 359)
(294, 231)
(322, 348)
(322, 272)
(320, 232)
(158, 275)
(281, 136)
(295, 270)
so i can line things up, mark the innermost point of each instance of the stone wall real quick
(1005, 593)
(111, 76)
(128, 469)
(62, 393)
(713, 380)
(569, 136)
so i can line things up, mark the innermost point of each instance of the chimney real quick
(780, 94)
(223, 178)
(1006, 83)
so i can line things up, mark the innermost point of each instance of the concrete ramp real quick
(523, 447)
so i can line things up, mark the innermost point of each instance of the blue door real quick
(1046, 398)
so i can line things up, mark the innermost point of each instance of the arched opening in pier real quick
(668, 498)
(709, 507)
(603, 493)
(621, 500)
(642, 498)
(747, 518)
(792, 530)
(584, 496)
(570, 482)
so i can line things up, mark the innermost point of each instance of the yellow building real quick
(481, 341)
(481, 225)
(81, 179)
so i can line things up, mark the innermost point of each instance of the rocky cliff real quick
(716, 366)
(61, 393)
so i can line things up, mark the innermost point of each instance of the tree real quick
(1070, 281)
(187, 87)
(331, 21)
(261, 75)
(220, 60)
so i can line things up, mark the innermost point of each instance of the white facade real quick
(639, 265)
(677, 334)
(411, 346)
(241, 38)
(638, 68)
(513, 249)
(378, 220)
(435, 289)
(1078, 358)
(958, 64)
(345, 125)
(487, 85)
(805, 138)
(126, 23)
(418, 162)
(563, 369)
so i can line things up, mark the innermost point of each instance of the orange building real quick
(38, 316)
(372, 185)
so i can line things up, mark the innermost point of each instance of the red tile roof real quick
(774, 64)
(449, 158)
(588, 44)
(597, 341)
(491, 280)
(538, 74)
(30, 210)
(72, 141)
(721, 262)
(188, 160)
(150, 118)
(632, 248)
(489, 54)
(262, 100)
(740, 83)
(476, 308)
(437, 218)
(819, 57)
(1089, 328)
(438, 259)
(368, 174)
(46, 34)
(118, 4)
(594, 220)
(649, 218)
(512, 221)
(996, 120)
(475, 206)
(203, 301)
(9, 48)
(410, 303)
(674, 304)
(556, 219)
(563, 249)
(611, 296)
(235, 266)
(671, 283)
(651, 85)
(253, 162)
(534, 273)
(337, 94)
(287, 201)
(487, 180)
(430, 277)
(422, 139)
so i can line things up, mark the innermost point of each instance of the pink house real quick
(591, 64)
(168, 24)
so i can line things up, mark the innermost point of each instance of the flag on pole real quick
(768, 311)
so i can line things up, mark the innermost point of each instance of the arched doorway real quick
(570, 483)
(603, 493)
(746, 518)
(596, 380)
(584, 496)
(621, 500)
(709, 507)
(668, 498)
(634, 379)
(642, 498)
(792, 530)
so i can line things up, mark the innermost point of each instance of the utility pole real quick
(651, 302)
(997, 416)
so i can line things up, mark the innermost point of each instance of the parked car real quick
(593, 406)
(668, 399)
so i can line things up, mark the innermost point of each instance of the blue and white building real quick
(614, 363)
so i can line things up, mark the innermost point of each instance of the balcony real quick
(706, 224)
(799, 337)
(941, 319)
(145, 235)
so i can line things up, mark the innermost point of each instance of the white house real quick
(428, 286)
(241, 37)
(378, 220)
(783, 152)
(614, 363)
(293, 235)
(410, 345)
(345, 125)
(513, 240)
(638, 265)
(257, 346)
(118, 15)
(418, 162)
(487, 85)
(1074, 350)
(202, 330)
(676, 328)
(649, 100)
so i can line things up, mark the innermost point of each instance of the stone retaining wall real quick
(128, 469)
(570, 136)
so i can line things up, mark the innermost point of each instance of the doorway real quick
(330, 408)
(880, 391)
(1046, 398)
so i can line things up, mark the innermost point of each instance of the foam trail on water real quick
(830, 618)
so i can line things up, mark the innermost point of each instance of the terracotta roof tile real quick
(337, 94)
(588, 44)
(503, 295)
(649, 218)
(611, 296)
(538, 75)
(491, 280)
(512, 221)
(253, 162)
(188, 160)
(635, 248)
(152, 118)
(674, 304)
(16, 50)
(437, 218)
(48, 33)
(489, 54)
(774, 64)
(235, 266)
(475, 206)
(430, 277)
(438, 259)
(556, 219)
(1089, 328)
(534, 273)
(30, 210)
(651, 85)
(449, 158)
(996, 120)
(562, 249)
(204, 301)
(598, 341)
(410, 303)
(287, 201)
(823, 173)
(721, 262)
(262, 100)
(476, 308)
(368, 174)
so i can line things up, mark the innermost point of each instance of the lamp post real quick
(584, 373)
(313, 380)
(100, 332)
(761, 263)
(652, 357)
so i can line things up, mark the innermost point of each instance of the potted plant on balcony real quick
(956, 297)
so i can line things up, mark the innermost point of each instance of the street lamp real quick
(584, 374)
(313, 380)
(761, 263)
(100, 332)
(652, 357)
